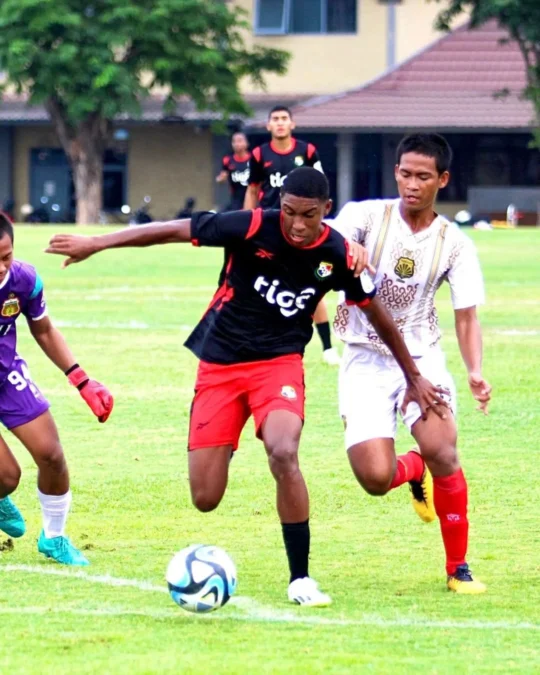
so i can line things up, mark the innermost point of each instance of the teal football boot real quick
(11, 520)
(61, 550)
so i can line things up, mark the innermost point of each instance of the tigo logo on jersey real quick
(324, 270)
(289, 303)
(241, 177)
(277, 180)
(288, 392)
(404, 268)
(299, 161)
(11, 306)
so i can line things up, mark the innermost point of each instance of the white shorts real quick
(372, 388)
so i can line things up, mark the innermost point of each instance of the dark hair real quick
(280, 108)
(429, 145)
(306, 182)
(5, 226)
(239, 132)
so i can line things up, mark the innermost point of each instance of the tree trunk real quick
(84, 144)
(88, 179)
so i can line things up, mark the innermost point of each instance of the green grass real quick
(126, 314)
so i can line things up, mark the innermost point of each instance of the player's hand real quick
(427, 396)
(481, 390)
(98, 398)
(359, 259)
(76, 247)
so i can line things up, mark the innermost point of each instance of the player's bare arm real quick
(420, 390)
(221, 177)
(469, 336)
(78, 247)
(251, 199)
(53, 344)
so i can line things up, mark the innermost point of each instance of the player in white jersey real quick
(414, 251)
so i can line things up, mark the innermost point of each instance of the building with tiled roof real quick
(454, 86)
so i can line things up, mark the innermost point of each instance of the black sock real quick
(324, 333)
(296, 537)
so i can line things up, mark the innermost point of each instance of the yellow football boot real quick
(422, 495)
(462, 582)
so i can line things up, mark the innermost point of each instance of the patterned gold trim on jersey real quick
(383, 235)
(437, 256)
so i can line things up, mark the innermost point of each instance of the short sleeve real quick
(313, 158)
(350, 222)
(224, 229)
(256, 168)
(36, 307)
(465, 276)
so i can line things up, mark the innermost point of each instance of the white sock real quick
(55, 509)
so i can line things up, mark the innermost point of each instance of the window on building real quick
(279, 17)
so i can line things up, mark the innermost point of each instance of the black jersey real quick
(265, 306)
(238, 176)
(268, 168)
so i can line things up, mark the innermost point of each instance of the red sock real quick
(450, 497)
(409, 467)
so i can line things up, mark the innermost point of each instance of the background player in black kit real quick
(269, 165)
(235, 170)
(251, 340)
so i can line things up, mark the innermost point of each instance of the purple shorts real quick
(20, 399)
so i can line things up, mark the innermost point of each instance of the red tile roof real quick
(449, 85)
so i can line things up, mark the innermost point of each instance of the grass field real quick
(126, 315)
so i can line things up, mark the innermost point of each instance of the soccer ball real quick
(201, 578)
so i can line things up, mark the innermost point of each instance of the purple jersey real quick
(21, 292)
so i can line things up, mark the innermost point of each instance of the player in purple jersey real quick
(24, 410)
(251, 340)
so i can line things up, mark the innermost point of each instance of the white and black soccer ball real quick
(201, 578)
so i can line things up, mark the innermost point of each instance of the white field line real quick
(250, 610)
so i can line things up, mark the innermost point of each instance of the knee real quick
(204, 501)
(53, 459)
(441, 458)
(10, 479)
(283, 458)
(375, 483)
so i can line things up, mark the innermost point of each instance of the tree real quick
(521, 18)
(88, 61)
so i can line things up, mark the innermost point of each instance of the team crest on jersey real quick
(11, 306)
(288, 392)
(299, 161)
(404, 268)
(324, 270)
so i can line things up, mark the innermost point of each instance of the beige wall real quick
(26, 138)
(169, 163)
(323, 64)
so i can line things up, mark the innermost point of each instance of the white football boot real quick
(306, 592)
(331, 357)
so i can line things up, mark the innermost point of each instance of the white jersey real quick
(410, 268)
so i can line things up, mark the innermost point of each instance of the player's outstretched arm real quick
(469, 336)
(420, 390)
(77, 247)
(52, 342)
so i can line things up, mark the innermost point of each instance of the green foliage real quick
(101, 57)
(522, 20)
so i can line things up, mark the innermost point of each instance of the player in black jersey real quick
(251, 339)
(269, 165)
(235, 170)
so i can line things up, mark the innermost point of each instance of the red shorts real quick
(226, 396)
